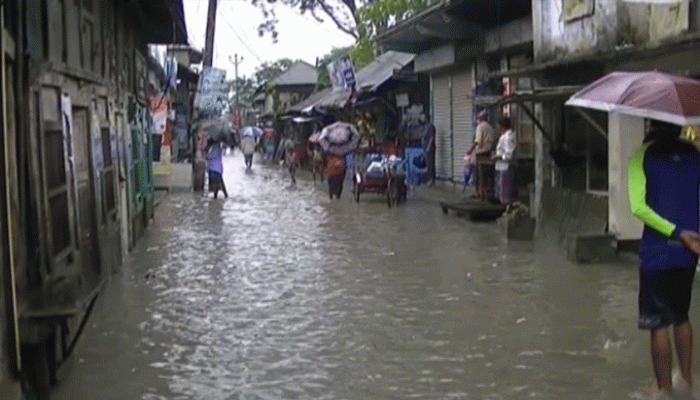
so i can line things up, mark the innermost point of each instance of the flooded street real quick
(278, 293)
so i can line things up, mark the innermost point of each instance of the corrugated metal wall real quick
(462, 125)
(442, 119)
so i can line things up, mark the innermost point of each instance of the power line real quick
(243, 42)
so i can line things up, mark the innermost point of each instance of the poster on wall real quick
(574, 9)
(212, 90)
(96, 137)
(67, 122)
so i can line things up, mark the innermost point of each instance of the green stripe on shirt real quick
(637, 188)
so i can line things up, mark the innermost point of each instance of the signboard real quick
(342, 73)
(574, 9)
(402, 100)
(212, 93)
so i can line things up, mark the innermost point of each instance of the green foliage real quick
(248, 88)
(517, 210)
(373, 17)
(246, 91)
(363, 52)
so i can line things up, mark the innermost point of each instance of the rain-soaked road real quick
(279, 293)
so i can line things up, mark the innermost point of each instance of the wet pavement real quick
(279, 293)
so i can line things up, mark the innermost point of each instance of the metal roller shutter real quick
(462, 125)
(442, 119)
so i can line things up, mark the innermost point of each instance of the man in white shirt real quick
(505, 156)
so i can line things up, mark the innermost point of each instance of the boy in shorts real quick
(663, 182)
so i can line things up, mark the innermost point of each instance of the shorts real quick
(664, 297)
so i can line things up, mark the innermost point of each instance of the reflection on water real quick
(279, 293)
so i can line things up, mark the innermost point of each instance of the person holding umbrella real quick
(215, 168)
(663, 182)
(336, 140)
(249, 140)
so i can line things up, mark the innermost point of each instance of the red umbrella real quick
(654, 95)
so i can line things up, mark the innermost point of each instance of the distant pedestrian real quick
(215, 168)
(268, 143)
(506, 157)
(248, 144)
(663, 181)
(296, 156)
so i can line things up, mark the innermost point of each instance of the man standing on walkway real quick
(481, 149)
(506, 156)
(664, 177)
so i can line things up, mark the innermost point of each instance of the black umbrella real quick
(218, 130)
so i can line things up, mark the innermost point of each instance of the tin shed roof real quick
(381, 69)
(299, 73)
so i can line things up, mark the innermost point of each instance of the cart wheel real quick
(389, 197)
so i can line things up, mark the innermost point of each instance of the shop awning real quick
(521, 98)
(452, 20)
(381, 69)
(538, 95)
(617, 59)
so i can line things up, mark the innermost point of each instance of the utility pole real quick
(207, 58)
(236, 109)
(208, 55)
(235, 57)
(235, 63)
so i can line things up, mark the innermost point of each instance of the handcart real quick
(379, 174)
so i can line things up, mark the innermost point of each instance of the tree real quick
(361, 20)
(250, 87)
(341, 12)
(374, 17)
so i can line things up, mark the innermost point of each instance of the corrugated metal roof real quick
(299, 73)
(325, 98)
(310, 101)
(368, 79)
(381, 69)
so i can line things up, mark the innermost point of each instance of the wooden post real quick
(10, 229)
(208, 56)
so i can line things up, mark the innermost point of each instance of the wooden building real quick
(78, 184)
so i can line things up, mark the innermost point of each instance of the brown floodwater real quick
(279, 293)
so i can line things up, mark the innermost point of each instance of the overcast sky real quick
(300, 37)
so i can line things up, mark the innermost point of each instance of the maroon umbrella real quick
(314, 137)
(339, 138)
(654, 95)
